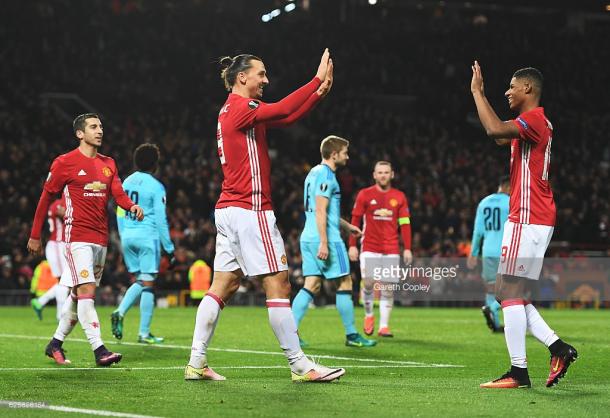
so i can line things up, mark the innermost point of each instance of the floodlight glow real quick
(266, 18)
(275, 13)
(372, 2)
(290, 7)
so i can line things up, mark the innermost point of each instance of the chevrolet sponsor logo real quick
(96, 188)
(383, 212)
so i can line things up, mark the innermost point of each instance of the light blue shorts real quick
(141, 255)
(335, 266)
(490, 268)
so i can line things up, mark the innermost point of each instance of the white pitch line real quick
(268, 353)
(119, 368)
(60, 408)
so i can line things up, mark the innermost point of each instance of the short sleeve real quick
(403, 209)
(530, 125)
(325, 185)
(244, 113)
(359, 205)
(56, 178)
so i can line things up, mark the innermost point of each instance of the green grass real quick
(448, 336)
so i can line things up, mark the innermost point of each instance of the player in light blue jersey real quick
(142, 241)
(322, 248)
(492, 213)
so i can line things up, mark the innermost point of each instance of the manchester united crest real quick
(393, 203)
(106, 171)
(84, 274)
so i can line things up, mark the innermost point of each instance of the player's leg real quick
(386, 297)
(511, 291)
(561, 353)
(147, 307)
(345, 307)
(281, 319)
(61, 295)
(131, 256)
(224, 285)
(312, 284)
(149, 262)
(88, 261)
(69, 318)
(368, 292)
(491, 309)
(386, 303)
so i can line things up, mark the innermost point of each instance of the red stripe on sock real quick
(512, 302)
(278, 304)
(217, 299)
(81, 297)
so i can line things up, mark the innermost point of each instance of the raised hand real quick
(323, 67)
(476, 84)
(327, 84)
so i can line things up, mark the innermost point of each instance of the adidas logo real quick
(373, 202)
(521, 268)
(82, 173)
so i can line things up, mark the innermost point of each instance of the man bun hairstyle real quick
(332, 143)
(533, 75)
(80, 121)
(231, 66)
(146, 157)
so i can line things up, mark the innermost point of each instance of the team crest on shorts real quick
(106, 171)
(84, 274)
(393, 203)
(284, 259)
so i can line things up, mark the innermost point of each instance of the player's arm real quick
(495, 128)
(404, 224)
(477, 236)
(53, 185)
(349, 228)
(321, 220)
(122, 199)
(311, 102)
(357, 213)
(159, 206)
(120, 219)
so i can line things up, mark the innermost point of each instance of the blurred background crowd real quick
(401, 93)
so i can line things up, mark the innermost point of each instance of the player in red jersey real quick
(383, 211)
(86, 179)
(248, 242)
(55, 255)
(531, 220)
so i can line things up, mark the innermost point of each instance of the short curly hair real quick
(146, 157)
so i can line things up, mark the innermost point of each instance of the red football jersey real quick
(531, 197)
(242, 144)
(380, 211)
(87, 183)
(56, 222)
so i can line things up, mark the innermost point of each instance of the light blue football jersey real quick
(321, 181)
(149, 193)
(492, 213)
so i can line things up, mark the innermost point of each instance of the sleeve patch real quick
(253, 104)
(49, 176)
(523, 123)
(164, 200)
(323, 187)
(404, 221)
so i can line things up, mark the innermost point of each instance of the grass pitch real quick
(432, 367)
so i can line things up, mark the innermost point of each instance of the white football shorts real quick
(55, 253)
(523, 249)
(85, 264)
(248, 240)
(381, 267)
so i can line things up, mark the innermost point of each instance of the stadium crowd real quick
(151, 71)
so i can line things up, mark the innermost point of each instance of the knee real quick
(313, 287)
(386, 293)
(345, 283)
(368, 284)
